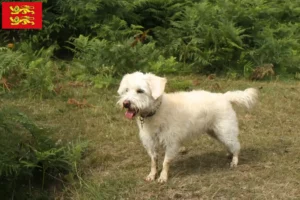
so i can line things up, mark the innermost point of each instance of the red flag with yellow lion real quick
(21, 15)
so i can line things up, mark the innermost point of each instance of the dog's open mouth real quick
(130, 113)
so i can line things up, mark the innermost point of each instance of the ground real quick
(116, 163)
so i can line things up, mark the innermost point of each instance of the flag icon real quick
(22, 15)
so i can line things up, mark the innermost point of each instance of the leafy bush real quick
(163, 65)
(30, 157)
(94, 54)
(36, 71)
(105, 39)
(10, 62)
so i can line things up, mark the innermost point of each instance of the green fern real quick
(26, 148)
(10, 61)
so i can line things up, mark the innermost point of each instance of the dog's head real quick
(139, 92)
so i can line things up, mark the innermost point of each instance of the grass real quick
(116, 163)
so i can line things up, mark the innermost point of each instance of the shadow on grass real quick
(212, 161)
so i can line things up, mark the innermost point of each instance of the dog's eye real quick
(140, 91)
(126, 90)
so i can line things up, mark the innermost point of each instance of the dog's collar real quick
(148, 114)
(142, 117)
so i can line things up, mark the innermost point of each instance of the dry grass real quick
(116, 163)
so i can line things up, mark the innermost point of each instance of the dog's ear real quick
(156, 84)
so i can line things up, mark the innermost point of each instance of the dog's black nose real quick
(126, 104)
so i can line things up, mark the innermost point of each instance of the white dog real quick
(169, 119)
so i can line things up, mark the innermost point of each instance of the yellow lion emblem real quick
(22, 20)
(15, 10)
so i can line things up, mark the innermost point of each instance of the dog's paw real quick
(150, 177)
(234, 162)
(162, 179)
(233, 165)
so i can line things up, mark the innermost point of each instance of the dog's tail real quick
(247, 98)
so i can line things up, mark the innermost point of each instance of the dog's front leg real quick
(171, 152)
(151, 146)
(153, 170)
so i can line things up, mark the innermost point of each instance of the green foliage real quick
(10, 61)
(100, 61)
(208, 36)
(29, 155)
(297, 76)
(162, 65)
(36, 71)
(94, 54)
(182, 85)
(41, 71)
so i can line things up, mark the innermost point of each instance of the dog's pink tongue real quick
(129, 114)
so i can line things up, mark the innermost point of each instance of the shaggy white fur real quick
(169, 119)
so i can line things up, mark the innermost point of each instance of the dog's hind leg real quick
(234, 149)
(227, 134)
(212, 134)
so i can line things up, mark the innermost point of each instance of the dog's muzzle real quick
(130, 112)
(126, 104)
